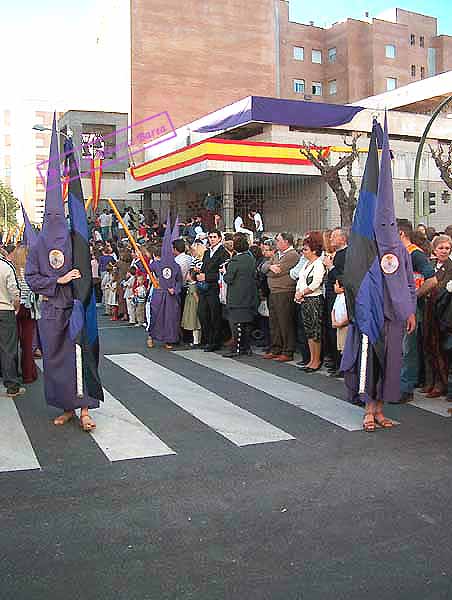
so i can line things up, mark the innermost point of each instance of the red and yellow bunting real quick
(223, 150)
(96, 179)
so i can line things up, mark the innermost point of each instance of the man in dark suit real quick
(335, 267)
(209, 309)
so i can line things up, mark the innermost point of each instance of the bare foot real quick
(64, 418)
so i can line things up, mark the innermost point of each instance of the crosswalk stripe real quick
(327, 407)
(438, 406)
(16, 451)
(120, 435)
(232, 422)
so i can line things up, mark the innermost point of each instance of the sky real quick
(303, 11)
(76, 53)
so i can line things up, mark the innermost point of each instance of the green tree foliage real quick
(12, 205)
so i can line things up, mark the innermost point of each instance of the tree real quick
(443, 163)
(346, 198)
(12, 205)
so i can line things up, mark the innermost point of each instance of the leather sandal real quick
(369, 422)
(86, 423)
(67, 416)
(383, 421)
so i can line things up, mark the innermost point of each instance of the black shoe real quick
(231, 354)
(338, 374)
(312, 370)
(212, 348)
(14, 390)
(406, 397)
(302, 363)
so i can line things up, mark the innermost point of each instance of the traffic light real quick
(429, 203)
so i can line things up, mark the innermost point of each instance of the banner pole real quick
(88, 202)
(134, 244)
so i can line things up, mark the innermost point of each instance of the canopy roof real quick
(298, 113)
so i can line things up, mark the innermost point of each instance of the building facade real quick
(108, 133)
(213, 53)
(257, 164)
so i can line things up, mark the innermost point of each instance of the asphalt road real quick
(212, 481)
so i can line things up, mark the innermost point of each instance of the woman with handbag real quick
(242, 297)
(309, 292)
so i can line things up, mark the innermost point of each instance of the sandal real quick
(67, 416)
(150, 342)
(86, 423)
(383, 421)
(369, 422)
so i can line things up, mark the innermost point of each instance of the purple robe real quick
(58, 350)
(166, 307)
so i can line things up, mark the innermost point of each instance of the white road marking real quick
(16, 451)
(232, 422)
(120, 434)
(438, 406)
(323, 405)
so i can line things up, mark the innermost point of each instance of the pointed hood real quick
(394, 260)
(54, 228)
(29, 236)
(167, 261)
(386, 231)
(175, 233)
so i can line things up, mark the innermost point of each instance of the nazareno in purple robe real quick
(166, 307)
(58, 350)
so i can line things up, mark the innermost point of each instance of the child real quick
(128, 294)
(190, 320)
(115, 279)
(339, 320)
(106, 288)
(140, 299)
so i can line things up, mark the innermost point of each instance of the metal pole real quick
(417, 164)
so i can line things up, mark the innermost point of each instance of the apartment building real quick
(210, 54)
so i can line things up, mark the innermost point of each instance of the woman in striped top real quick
(26, 322)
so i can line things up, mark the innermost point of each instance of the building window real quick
(298, 53)
(317, 88)
(421, 41)
(298, 86)
(422, 72)
(391, 83)
(413, 70)
(412, 39)
(390, 51)
(332, 55)
(317, 57)
(332, 87)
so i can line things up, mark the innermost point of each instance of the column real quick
(228, 201)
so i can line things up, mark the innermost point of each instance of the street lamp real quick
(39, 127)
(417, 164)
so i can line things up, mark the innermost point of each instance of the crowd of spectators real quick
(279, 295)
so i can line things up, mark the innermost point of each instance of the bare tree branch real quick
(346, 199)
(444, 164)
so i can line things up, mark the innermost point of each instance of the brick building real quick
(210, 54)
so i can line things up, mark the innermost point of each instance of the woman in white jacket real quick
(309, 292)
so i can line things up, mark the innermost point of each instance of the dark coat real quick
(242, 296)
(210, 266)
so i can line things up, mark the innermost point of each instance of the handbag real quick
(262, 309)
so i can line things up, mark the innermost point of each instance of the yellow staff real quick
(134, 244)
(9, 235)
(88, 202)
(21, 232)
